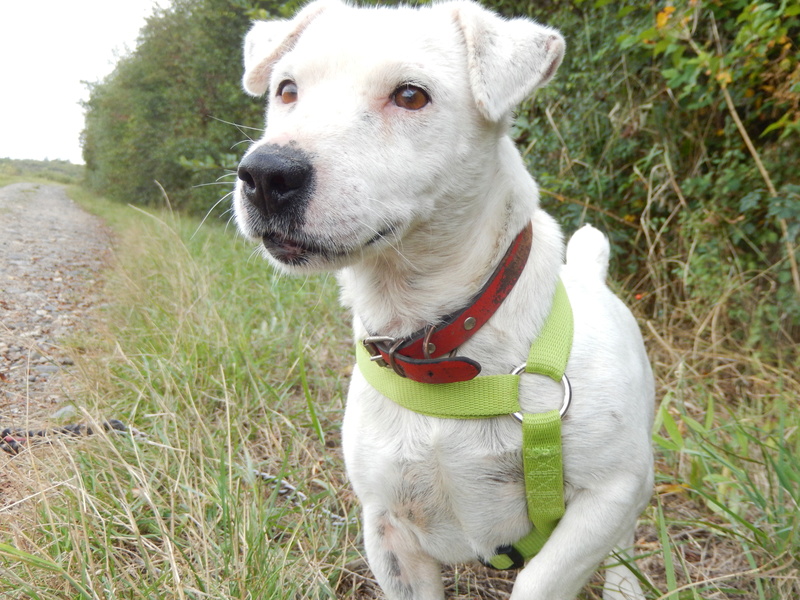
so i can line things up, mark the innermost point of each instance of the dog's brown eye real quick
(410, 97)
(287, 91)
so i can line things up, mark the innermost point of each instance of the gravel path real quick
(51, 254)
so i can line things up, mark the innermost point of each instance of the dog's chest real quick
(458, 484)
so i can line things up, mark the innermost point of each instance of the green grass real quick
(732, 482)
(49, 171)
(201, 351)
(230, 369)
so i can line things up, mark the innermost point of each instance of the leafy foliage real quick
(675, 126)
(173, 112)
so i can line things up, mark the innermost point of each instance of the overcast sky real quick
(47, 47)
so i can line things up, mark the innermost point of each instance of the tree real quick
(173, 111)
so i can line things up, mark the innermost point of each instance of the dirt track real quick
(51, 254)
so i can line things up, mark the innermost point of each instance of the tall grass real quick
(233, 373)
(200, 349)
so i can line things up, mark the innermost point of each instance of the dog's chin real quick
(303, 255)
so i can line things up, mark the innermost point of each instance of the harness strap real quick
(479, 398)
(497, 395)
(541, 440)
(544, 487)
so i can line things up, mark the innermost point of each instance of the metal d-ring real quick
(426, 343)
(567, 393)
(393, 361)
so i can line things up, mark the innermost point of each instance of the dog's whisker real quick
(257, 251)
(238, 126)
(394, 244)
(209, 211)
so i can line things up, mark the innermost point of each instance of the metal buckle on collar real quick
(564, 383)
(371, 344)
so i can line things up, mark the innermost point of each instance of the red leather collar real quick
(425, 356)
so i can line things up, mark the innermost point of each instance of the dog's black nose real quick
(276, 177)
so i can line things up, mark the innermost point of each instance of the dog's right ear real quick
(267, 41)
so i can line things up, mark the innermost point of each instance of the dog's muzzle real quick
(276, 180)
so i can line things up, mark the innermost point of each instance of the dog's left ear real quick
(507, 59)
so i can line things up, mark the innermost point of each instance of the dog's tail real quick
(588, 252)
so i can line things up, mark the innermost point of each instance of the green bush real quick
(675, 128)
(172, 114)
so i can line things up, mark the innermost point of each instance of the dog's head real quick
(376, 118)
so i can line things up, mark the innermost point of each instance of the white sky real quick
(47, 47)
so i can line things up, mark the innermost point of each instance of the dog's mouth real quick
(299, 251)
(289, 250)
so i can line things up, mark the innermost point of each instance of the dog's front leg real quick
(403, 570)
(621, 583)
(594, 522)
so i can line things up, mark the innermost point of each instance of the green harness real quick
(497, 395)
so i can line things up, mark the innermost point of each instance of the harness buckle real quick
(564, 383)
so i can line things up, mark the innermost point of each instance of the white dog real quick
(386, 157)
